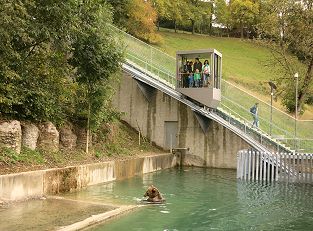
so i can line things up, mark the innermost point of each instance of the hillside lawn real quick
(244, 61)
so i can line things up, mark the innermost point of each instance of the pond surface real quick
(206, 199)
(49, 214)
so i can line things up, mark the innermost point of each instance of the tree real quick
(161, 9)
(289, 25)
(176, 12)
(141, 21)
(223, 14)
(33, 67)
(96, 56)
(57, 61)
(205, 23)
(120, 9)
(138, 17)
(243, 13)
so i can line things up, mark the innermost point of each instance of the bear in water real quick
(153, 195)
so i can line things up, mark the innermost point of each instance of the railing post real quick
(293, 163)
(268, 167)
(282, 167)
(298, 166)
(264, 167)
(151, 59)
(261, 165)
(277, 166)
(253, 165)
(257, 165)
(249, 165)
(273, 165)
(239, 165)
(311, 168)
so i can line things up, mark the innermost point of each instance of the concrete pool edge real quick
(36, 184)
(100, 218)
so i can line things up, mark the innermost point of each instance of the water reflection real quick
(205, 199)
(281, 205)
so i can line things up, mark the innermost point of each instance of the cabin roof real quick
(201, 53)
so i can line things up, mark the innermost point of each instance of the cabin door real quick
(170, 129)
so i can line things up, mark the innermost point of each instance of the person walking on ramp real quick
(254, 111)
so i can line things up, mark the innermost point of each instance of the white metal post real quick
(296, 112)
(271, 111)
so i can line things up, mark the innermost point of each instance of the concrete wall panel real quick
(36, 184)
(21, 186)
(217, 148)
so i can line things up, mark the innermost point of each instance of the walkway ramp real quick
(154, 81)
(157, 69)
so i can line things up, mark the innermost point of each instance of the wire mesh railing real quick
(234, 99)
(278, 124)
(245, 126)
(146, 55)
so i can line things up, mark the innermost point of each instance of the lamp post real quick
(296, 113)
(273, 87)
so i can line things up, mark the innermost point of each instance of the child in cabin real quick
(190, 79)
(197, 77)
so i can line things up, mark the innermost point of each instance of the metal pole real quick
(273, 87)
(296, 113)
(271, 111)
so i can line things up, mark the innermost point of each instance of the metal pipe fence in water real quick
(270, 167)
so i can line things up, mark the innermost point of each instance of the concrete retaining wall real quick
(217, 148)
(52, 181)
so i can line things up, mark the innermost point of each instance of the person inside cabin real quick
(180, 77)
(189, 66)
(190, 76)
(206, 73)
(197, 77)
(185, 74)
(197, 65)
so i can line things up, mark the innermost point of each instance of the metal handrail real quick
(245, 122)
(161, 70)
(153, 65)
(173, 58)
(261, 118)
(260, 100)
(157, 77)
(146, 44)
(151, 80)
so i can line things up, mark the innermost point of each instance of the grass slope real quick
(244, 62)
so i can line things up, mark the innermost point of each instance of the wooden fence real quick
(289, 167)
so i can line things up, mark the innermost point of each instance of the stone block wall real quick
(11, 135)
(45, 136)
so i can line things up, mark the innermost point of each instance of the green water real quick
(207, 199)
(49, 214)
